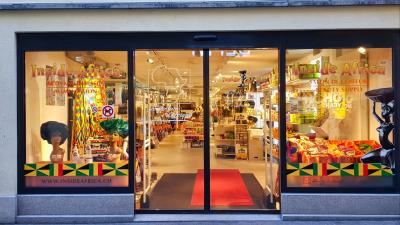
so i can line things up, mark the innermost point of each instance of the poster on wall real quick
(50, 91)
(60, 93)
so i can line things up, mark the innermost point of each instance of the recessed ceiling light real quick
(150, 60)
(78, 58)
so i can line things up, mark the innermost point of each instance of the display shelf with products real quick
(241, 136)
(225, 140)
(193, 134)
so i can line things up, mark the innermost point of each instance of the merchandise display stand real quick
(269, 156)
(271, 130)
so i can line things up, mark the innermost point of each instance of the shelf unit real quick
(241, 136)
(225, 146)
(193, 134)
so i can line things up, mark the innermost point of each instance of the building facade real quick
(89, 132)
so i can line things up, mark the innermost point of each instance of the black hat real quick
(49, 128)
(384, 95)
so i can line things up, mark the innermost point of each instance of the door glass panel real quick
(244, 129)
(169, 130)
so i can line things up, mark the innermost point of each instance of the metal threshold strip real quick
(205, 217)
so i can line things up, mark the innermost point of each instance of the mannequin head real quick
(387, 109)
(54, 133)
(56, 138)
(115, 137)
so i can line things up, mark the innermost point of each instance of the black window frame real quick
(129, 42)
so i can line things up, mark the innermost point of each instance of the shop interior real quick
(78, 113)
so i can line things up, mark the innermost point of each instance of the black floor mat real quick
(174, 191)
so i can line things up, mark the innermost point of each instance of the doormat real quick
(227, 189)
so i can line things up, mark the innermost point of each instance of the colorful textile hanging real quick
(89, 97)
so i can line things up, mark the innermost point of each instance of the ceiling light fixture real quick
(231, 54)
(362, 50)
(79, 59)
(150, 60)
(244, 52)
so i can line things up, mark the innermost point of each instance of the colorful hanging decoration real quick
(89, 97)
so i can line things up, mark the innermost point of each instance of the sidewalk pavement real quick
(263, 223)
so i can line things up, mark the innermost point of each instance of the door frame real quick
(124, 41)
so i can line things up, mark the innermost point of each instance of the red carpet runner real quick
(227, 189)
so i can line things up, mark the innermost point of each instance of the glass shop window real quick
(76, 119)
(339, 117)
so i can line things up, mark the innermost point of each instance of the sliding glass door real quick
(169, 132)
(244, 129)
(206, 129)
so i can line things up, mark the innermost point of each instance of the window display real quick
(339, 123)
(340, 105)
(76, 119)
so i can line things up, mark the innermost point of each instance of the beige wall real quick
(38, 112)
(155, 20)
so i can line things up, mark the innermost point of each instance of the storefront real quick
(118, 123)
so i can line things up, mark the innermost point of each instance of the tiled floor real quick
(172, 156)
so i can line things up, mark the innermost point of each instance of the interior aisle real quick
(172, 156)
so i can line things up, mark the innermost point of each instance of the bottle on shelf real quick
(75, 155)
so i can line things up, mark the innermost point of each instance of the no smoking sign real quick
(107, 111)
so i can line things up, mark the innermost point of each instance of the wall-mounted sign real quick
(107, 111)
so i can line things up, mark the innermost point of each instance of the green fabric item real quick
(118, 126)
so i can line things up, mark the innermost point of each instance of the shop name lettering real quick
(348, 69)
(99, 71)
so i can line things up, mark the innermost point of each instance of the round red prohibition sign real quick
(108, 111)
